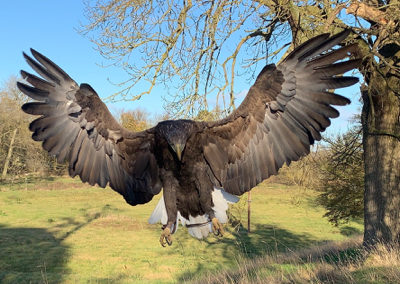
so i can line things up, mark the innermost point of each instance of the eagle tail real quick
(221, 199)
(199, 226)
(159, 213)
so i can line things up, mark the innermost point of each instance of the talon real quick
(166, 237)
(217, 227)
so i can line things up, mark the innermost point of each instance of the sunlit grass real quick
(337, 262)
(60, 231)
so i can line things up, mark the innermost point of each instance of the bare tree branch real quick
(186, 42)
(369, 13)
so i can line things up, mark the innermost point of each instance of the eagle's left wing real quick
(283, 114)
(76, 126)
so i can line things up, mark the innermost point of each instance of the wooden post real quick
(248, 211)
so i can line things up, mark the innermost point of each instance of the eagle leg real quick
(169, 185)
(166, 236)
(217, 227)
(203, 184)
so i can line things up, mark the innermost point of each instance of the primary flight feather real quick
(201, 166)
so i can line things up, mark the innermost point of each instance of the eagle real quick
(202, 166)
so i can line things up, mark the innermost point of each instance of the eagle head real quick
(176, 132)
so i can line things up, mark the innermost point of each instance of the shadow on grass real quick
(263, 240)
(269, 239)
(37, 255)
(349, 231)
(282, 253)
(31, 255)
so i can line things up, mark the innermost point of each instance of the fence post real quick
(248, 211)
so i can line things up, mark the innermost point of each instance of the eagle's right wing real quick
(283, 113)
(75, 125)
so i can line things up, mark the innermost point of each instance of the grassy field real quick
(61, 231)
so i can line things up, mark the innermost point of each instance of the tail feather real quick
(199, 226)
(221, 198)
(159, 213)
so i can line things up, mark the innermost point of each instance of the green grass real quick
(60, 231)
(336, 262)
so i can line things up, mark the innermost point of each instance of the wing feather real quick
(284, 113)
(75, 125)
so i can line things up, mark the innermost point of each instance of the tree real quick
(18, 153)
(11, 121)
(200, 42)
(342, 182)
(305, 172)
(380, 121)
(205, 115)
(376, 30)
(135, 120)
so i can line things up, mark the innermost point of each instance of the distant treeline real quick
(19, 154)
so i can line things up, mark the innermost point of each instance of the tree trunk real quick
(381, 141)
(10, 149)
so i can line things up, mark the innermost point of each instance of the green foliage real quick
(342, 183)
(336, 170)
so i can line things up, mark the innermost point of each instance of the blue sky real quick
(50, 27)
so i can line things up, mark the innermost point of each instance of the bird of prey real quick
(201, 166)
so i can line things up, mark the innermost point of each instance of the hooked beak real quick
(178, 148)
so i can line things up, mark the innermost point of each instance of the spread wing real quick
(283, 114)
(75, 125)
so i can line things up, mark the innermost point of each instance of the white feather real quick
(202, 223)
(159, 213)
(221, 198)
(202, 229)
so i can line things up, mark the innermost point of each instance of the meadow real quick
(57, 230)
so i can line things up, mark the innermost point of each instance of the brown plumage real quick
(284, 112)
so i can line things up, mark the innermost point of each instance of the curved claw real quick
(217, 227)
(166, 237)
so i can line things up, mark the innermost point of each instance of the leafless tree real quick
(199, 42)
(136, 120)
(18, 153)
(196, 43)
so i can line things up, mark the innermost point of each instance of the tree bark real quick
(10, 149)
(381, 141)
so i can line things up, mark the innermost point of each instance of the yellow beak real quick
(178, 148)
